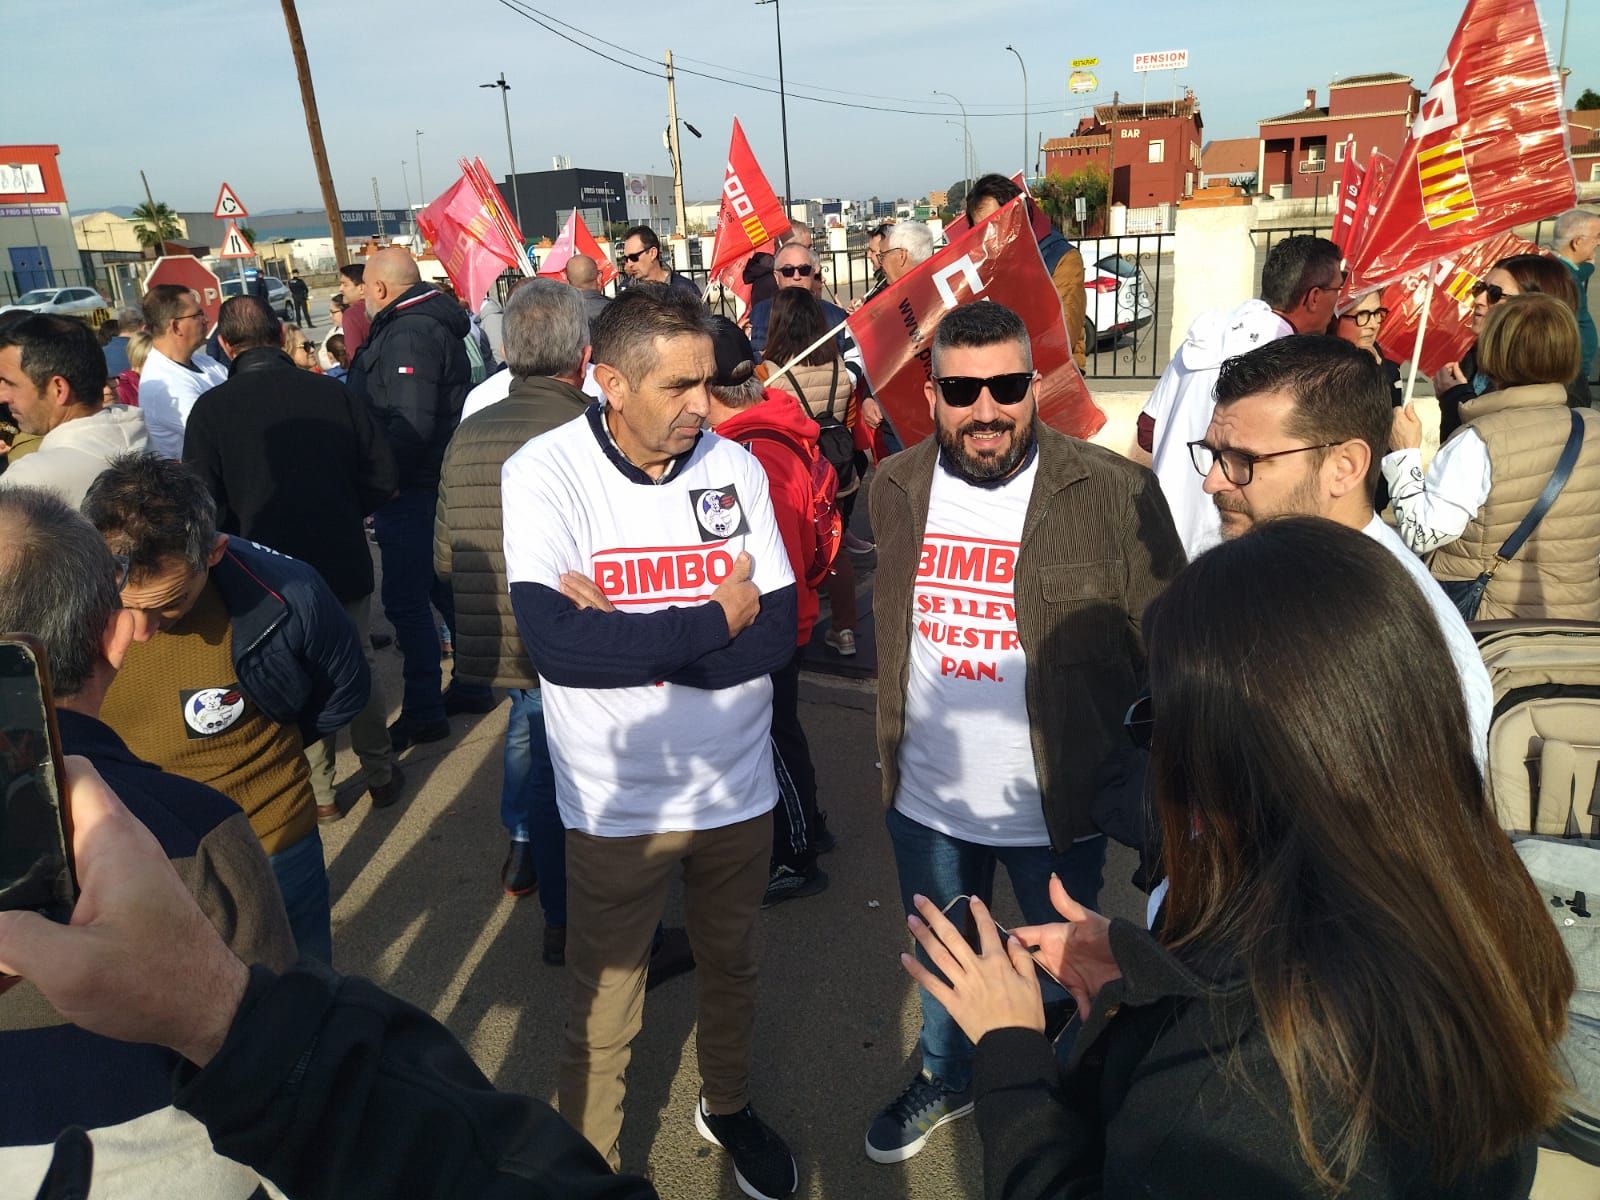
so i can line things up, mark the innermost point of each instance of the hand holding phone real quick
(36, 869)
(996, 986)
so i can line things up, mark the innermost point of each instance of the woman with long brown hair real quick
(1352, 988)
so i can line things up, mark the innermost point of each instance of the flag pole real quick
(1422, 328)
(795, 361)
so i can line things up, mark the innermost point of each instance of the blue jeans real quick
(410, 593)
(303, 880)
(528, 800)
(941, 868)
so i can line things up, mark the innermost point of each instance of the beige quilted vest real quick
(1557, 572)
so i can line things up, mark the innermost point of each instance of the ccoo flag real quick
(998, 261)
(576, 239)
(468, 231)
(750, 215)
(1488, 148)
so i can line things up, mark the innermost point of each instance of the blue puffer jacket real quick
(297, 654)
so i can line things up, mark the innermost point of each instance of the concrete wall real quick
(1213, 264)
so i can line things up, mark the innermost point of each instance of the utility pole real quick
(319, 152)
(672, 146)
(155, 221)
(1111, 158)
(505, 88)
(783, 106)
(422, 190)
(1025, 143)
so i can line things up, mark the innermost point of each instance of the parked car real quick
(60, 300)
(278, 296)
(1119, 299)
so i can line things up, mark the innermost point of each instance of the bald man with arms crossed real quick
(414, 373)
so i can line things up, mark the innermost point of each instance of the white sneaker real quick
(842, 640)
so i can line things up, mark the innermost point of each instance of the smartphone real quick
(36, 869)
(959, 914)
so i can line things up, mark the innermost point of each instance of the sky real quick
(195, 92)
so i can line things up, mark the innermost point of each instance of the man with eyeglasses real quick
(175, 373)
(1299, 284)
(1577, 240)
(795, 266)
(1300, 428)
(1014, 566)
(642, 262)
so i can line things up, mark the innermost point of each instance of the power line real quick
(542, 20)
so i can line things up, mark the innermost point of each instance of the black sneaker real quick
(761, 1161)
(788, 884)
(406, 732)
(518, 874)
(902, 1129)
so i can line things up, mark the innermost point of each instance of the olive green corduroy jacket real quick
(1098, 544)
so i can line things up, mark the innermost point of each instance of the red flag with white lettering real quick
(750, 215)
(1488, 149)
(997, 261)
(464, 232)
(576, 239)
(1347, 199)
(1449, 333)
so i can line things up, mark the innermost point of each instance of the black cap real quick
(736, 360)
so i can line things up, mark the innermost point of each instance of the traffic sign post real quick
(187, 271)
(228, 207)
(234, 244)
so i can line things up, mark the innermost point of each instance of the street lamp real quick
(422, 191)
(516, 200)
(1025, 142)
(783, 106)
(966, 147)
(965, 133)
(410, 212)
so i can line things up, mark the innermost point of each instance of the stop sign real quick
(185, 270)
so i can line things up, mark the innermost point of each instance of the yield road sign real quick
(228, 206)
(234, 244)
(186, 270)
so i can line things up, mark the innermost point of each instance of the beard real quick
(992, 467)
(1301, 502)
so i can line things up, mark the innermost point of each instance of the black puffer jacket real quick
(414, 373)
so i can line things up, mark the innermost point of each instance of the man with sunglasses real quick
(796, 266)
(1014, 565)
(642, 262)
(1299, 284)
(175, 372)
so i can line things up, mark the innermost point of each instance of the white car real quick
(278, 297)
(1119, 299)
(60, 300)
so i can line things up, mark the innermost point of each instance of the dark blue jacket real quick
(762, 312)
(1053, 248)
(297, 654)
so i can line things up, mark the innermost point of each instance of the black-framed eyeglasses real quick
(1139, 722)
(962, 391)
(1238, 468)
(121, 560)
(789, 272)
(636, 255)
(1365, 316)
(190, 316)
(1494, 291)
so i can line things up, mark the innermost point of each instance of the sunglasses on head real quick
(803, 271)
(1492, 290)
(962, 391)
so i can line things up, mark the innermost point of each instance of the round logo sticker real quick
(211, 710)
(718, 512)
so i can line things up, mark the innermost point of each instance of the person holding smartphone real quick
(1354, 986)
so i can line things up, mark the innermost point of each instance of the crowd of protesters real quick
(631, 516)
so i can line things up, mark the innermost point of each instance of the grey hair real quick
(58, 581)
(914, 237)
(545, 329)
(811, 255)
(129, 319)
(740, 395)
(1570, 224)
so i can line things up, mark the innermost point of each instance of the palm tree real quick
(154, 226)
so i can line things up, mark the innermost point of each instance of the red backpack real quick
(826, 525)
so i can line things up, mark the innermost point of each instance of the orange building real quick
(1151, 151)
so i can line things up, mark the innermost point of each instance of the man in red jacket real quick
(745, 410)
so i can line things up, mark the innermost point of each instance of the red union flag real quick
(1449, 332)
(997, 261)
(1348, 199)
(750, 215)
(1488, 149)
(576, 239)
(467, 233)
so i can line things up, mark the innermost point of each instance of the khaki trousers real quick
(616, 892)
(369, 732)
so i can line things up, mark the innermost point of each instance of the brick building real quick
(1301, 151)
(1151, 151)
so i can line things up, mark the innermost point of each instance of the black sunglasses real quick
(1140, 722)
(962, 391)
(635, 256)
(804, 271)
(1493, 290)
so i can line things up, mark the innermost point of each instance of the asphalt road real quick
(418, 907)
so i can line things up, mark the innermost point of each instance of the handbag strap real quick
(1552, 489)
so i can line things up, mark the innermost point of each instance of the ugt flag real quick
(1487, 151)
(576, 239)
(1449, 333)
(750, 215)
(997, 261)
(464, 230)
